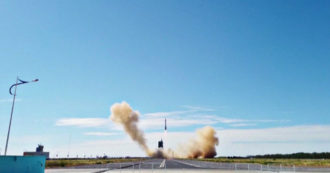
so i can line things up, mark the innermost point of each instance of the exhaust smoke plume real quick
(202, 146)
(123, 114)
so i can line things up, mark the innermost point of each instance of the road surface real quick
(175, 165)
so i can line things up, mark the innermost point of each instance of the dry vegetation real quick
(283, 162)
(77, 162)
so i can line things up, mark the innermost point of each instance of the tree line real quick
(301, 155)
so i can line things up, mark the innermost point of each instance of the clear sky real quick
(256, 71)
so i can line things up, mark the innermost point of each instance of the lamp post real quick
(18, 82)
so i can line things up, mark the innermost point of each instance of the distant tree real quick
(301, 155)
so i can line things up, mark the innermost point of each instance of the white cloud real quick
(151, 123)
(100, 134)
(242, 124)
(233, 142)
(27, 142)
(228, 120)
(10, 100)
(195, 116)
(83, 122)
(166, 114)
(181, 118)
(190, 109)
(312, 138)
(281, 134)
(112, 147)
(197, 108)
(238, 120)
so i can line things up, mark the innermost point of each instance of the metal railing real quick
(156, 166)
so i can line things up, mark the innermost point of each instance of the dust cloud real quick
(122, 113)
(201, 146)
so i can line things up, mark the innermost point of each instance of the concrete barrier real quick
(22, 164)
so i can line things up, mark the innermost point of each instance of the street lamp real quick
(18, 82)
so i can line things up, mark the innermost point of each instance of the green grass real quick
(283, 162)
(78, 162)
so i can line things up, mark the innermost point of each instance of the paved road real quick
(189, 165)
(152, 165)
(147, 164)
(168, 164)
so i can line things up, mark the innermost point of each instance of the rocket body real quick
(165, 125)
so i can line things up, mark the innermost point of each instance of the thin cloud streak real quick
(190, 109)
(172, 113)
(237, 120)
(82, 122)
(233, 142)
(100, 134)
(10, 100)
(242, 124)
(198, 108)
(181, 118)
(280, 134)
(152, 123)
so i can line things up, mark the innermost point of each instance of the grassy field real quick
(77, 162)
(283, 162)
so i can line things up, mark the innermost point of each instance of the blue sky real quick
(249, 67)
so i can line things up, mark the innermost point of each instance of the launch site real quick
(165, 86)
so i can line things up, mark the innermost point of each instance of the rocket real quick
(165, 125)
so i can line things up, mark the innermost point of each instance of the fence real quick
(198, 165)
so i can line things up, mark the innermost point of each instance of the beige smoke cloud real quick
(202, 146)
(123, 114)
